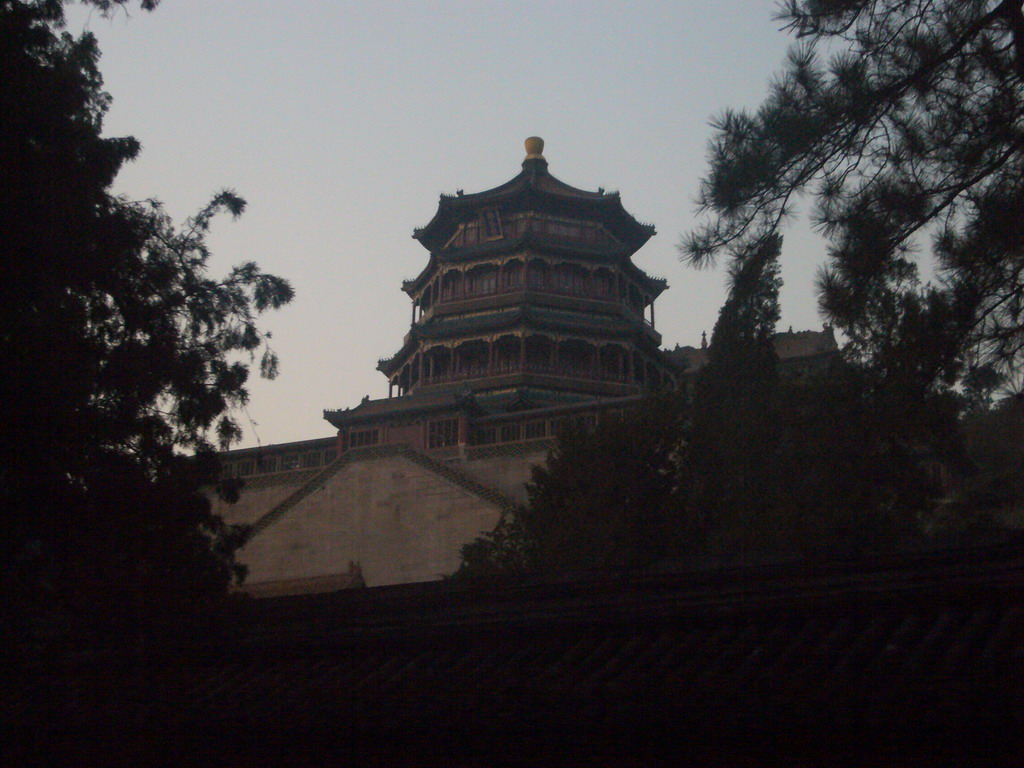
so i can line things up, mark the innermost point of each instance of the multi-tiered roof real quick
(530, 288)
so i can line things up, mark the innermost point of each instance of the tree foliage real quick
(748, 458)
(734, 423)
(904, 119)
(120, 353)
(798, 460)
(995, 443)
(609, 496)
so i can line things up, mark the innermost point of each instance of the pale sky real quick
(341, 122)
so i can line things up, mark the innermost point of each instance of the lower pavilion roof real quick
(598, 254)
(455, 399)
(531, 316)
(518, 400)
(527, 402)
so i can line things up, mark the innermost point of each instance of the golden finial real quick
(534, 148)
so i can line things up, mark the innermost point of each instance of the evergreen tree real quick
(735, 421)
(854, 465)
(119, 353)
(908, 138)
(995, 444)
(607, 497)
(751, 461)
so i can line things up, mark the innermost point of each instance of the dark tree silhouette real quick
(746, 460)
(909, 138)
(735, 423)
(607, 497)
(119, 353)
(995, 442)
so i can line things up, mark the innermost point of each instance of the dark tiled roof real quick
(530, 315)
(608, 253)
(789, 346)
(521, 448)
(567, 407)
(911, 660)
(311, 585)
(299, 446)
(593, 253)
(386, 406)
(535, 188)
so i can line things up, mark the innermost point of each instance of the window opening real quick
(362, 438)
(442, 433)
(492, 224)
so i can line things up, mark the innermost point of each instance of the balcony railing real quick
(447, 297)
(483, 371)
(451, 298)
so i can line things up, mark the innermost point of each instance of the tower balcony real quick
(559, 360)
(514, 295)
(561, 371)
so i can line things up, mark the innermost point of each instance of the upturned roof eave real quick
(657, 285)
(447, 203)
(392, 364)
(413, 285)
(436, 232)
(529, 317)
(376, 410)
(610, 254)
(631, 232)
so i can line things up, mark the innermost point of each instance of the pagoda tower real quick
(530, 288)
(529, 300)
(528, 316)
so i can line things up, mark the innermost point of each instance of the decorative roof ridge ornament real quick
(534, 160)
(533, 188)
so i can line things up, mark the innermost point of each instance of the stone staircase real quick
(282, 508)
(442, 469)
(460, 479)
